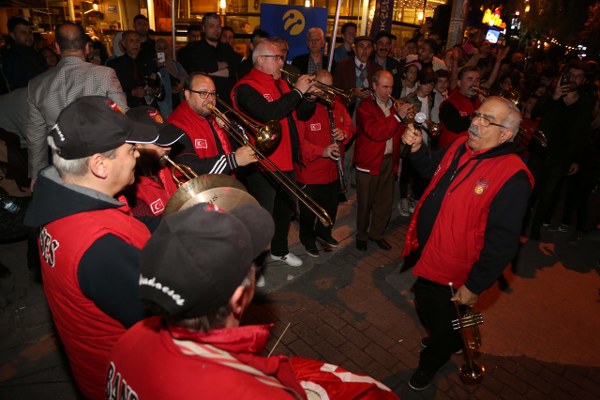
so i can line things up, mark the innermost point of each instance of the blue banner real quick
(292, 24)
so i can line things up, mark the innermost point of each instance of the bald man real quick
(58, 87)
(465, 229)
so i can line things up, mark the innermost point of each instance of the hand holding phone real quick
(160, 58)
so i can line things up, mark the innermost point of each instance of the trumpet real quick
(185, 170)
(326, 93)
(433, 128)
(236, 132)
(468, 326)
(535, 134)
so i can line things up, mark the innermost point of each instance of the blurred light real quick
(307, 3)
(420, 16)
(223, 4)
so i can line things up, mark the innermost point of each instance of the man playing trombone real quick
(206, 148)
(465, 229)
(322, 141)
(264, 96)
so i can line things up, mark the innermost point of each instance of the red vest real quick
(155, 195)
(87, 333)
(465, 107)
(199, 131)
(268, 88)
(457, 236)
(315, 135)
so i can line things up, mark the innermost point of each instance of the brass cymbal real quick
(197, 185)
(226, 198)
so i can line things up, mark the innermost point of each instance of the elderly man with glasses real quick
(264, 96)
(206, 147)
(465, 229)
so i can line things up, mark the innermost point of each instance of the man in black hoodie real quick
(465, 229)
(89, 242)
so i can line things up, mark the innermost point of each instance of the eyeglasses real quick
(204, 94)
(485, 121)
(275, 56)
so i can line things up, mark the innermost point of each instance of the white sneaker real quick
(289, 259)
(411, 205)
(403, 208)
(261, 282)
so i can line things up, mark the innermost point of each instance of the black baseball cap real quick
(197, 257)
(96, 124)
(362, 39)
(381, 34)
(167, 133)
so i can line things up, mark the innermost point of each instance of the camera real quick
(564, 80)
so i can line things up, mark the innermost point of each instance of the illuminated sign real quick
(493, 19)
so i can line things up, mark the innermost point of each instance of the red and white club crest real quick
(315, 127)
(480, 187)
(200, 144)
(268, 97)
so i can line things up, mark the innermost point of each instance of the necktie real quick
(362, 75)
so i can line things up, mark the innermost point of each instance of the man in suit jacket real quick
(383, 47)
(314, 60)
(356, 73)
(56, 88)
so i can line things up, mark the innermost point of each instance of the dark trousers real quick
(548, 175)
(278, 201)
(374, 198)
(326, 195)
(436, 312)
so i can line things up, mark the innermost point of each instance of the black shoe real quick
(328, 240)
(312, 250)
(361, 245)
(383, 244)
(4, 271)
(420, 380)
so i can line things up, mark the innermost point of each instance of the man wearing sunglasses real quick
(206, 148)
(465, 229)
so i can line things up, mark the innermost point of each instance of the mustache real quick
(473, 130)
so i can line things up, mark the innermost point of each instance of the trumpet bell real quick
(473, 374)
(268, 137)
(198, 185)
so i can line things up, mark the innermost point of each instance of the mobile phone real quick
(160, 57)
(564, 80)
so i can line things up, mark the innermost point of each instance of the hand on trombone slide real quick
(245, 155)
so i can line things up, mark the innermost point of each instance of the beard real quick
(149, 163)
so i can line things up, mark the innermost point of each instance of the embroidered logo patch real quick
(463, 113)
(315, 127)
(268, 97)
(157, 206)
(200, 144)
(480, 187)
(48, 247)
(155, 116)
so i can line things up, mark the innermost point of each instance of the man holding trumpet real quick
(465, 229)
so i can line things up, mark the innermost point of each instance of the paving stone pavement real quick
(356, 309)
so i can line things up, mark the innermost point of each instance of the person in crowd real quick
(317, 172)
(139, 78)
(206, 148)
(198, 274)
(50, 56)
(528, 125)
(20, 61)
(264, 96)
(154, 185)
(184, 55)
(346, 50)
(283, 45)
(427, 56)
(381, 55)
(173, 77)
(411, 184)
(356, 73)
(227, 35)
(141, 25)
(314, 60)
(117, 47)
(376, 156)
(247, 64)
(440, 93)
(410, 48)
(410, 77)
(89, 243)
(456, 110)
(52, 91)
(468, 238)
(214, 58)
(566, 124)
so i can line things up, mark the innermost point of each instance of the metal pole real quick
(173, 32)
(334, 34)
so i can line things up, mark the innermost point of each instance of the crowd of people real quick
(474, 171)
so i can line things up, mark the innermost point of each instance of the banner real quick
(382, 19)
(292, 24)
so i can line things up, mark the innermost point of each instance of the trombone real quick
(471, 372)
(237, 133)
(186, 171)
(327, 93)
